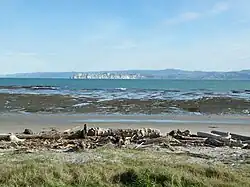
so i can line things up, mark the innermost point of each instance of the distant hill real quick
(149, 74)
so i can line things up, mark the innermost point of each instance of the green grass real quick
(147, 170)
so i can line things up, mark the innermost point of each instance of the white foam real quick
(80, 104)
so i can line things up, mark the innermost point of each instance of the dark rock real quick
(186, 133)
(193, 109)
(173, 133)
(91, 132)
(28, 131)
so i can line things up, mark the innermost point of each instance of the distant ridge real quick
(149, 74)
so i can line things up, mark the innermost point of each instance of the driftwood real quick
(164, 145)
(191, 138)
(246, 142)
(233, 136)
(214, 142)
(218, 139)
(11, 137)
(80, 138)
(154, 140)
(74, 129)
(215, 136)
(177, 133)
(201, 141)
(5, 137)
(138, 146)
(220, 133)
(240, 137)
(208, 135)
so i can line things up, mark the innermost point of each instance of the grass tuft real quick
(144, 171)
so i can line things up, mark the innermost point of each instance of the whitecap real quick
(80, 104)
(122, 89)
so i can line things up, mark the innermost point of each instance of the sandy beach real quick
(11, 122)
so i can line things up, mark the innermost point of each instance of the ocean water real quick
(114, 96)
(66, 86)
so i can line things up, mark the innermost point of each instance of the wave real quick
(38, 87)
(80, 104)
(122, 89)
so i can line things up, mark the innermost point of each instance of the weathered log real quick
(193, 141)
(190, 138)
(168, 146)
(177, 133)
(4, 137)
(35, 136)
(225, 140)
(235, 143)
(208, 135)
(220, 133)
(233, 136)
(138, 146)
(240, 137)
(144, 132)
(246, 146)
(218, 140)
(144, 146)
(11, 137)
(246, 142)
(72, 130)
(156, 140)
(214, 142)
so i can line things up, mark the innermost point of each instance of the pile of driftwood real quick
(219, 139)
(80, 138)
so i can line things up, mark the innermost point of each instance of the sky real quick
(96, 35)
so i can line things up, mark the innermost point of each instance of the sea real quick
(103, 96)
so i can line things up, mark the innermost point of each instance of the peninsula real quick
(173, 74)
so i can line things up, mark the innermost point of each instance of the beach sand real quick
(10, 122)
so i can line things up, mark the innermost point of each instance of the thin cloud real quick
(126, 45)
(192, 16)
(51, 54)
(220, 7)
(242, 21)
(247, 57)
(27, 54)
(185, 17)
(11, 53)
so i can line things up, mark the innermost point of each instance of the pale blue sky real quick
(87, 35)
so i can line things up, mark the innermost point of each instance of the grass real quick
(135, 168)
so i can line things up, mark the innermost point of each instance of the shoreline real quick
(120, 102)
(14, 122)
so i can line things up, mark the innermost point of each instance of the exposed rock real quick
(27, 131)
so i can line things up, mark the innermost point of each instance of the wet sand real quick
(10, 122)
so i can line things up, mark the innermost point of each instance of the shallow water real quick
(124, 96)
(164, 121)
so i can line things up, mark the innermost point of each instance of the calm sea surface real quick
(182, 85)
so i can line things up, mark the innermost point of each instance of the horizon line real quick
(96, 71)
